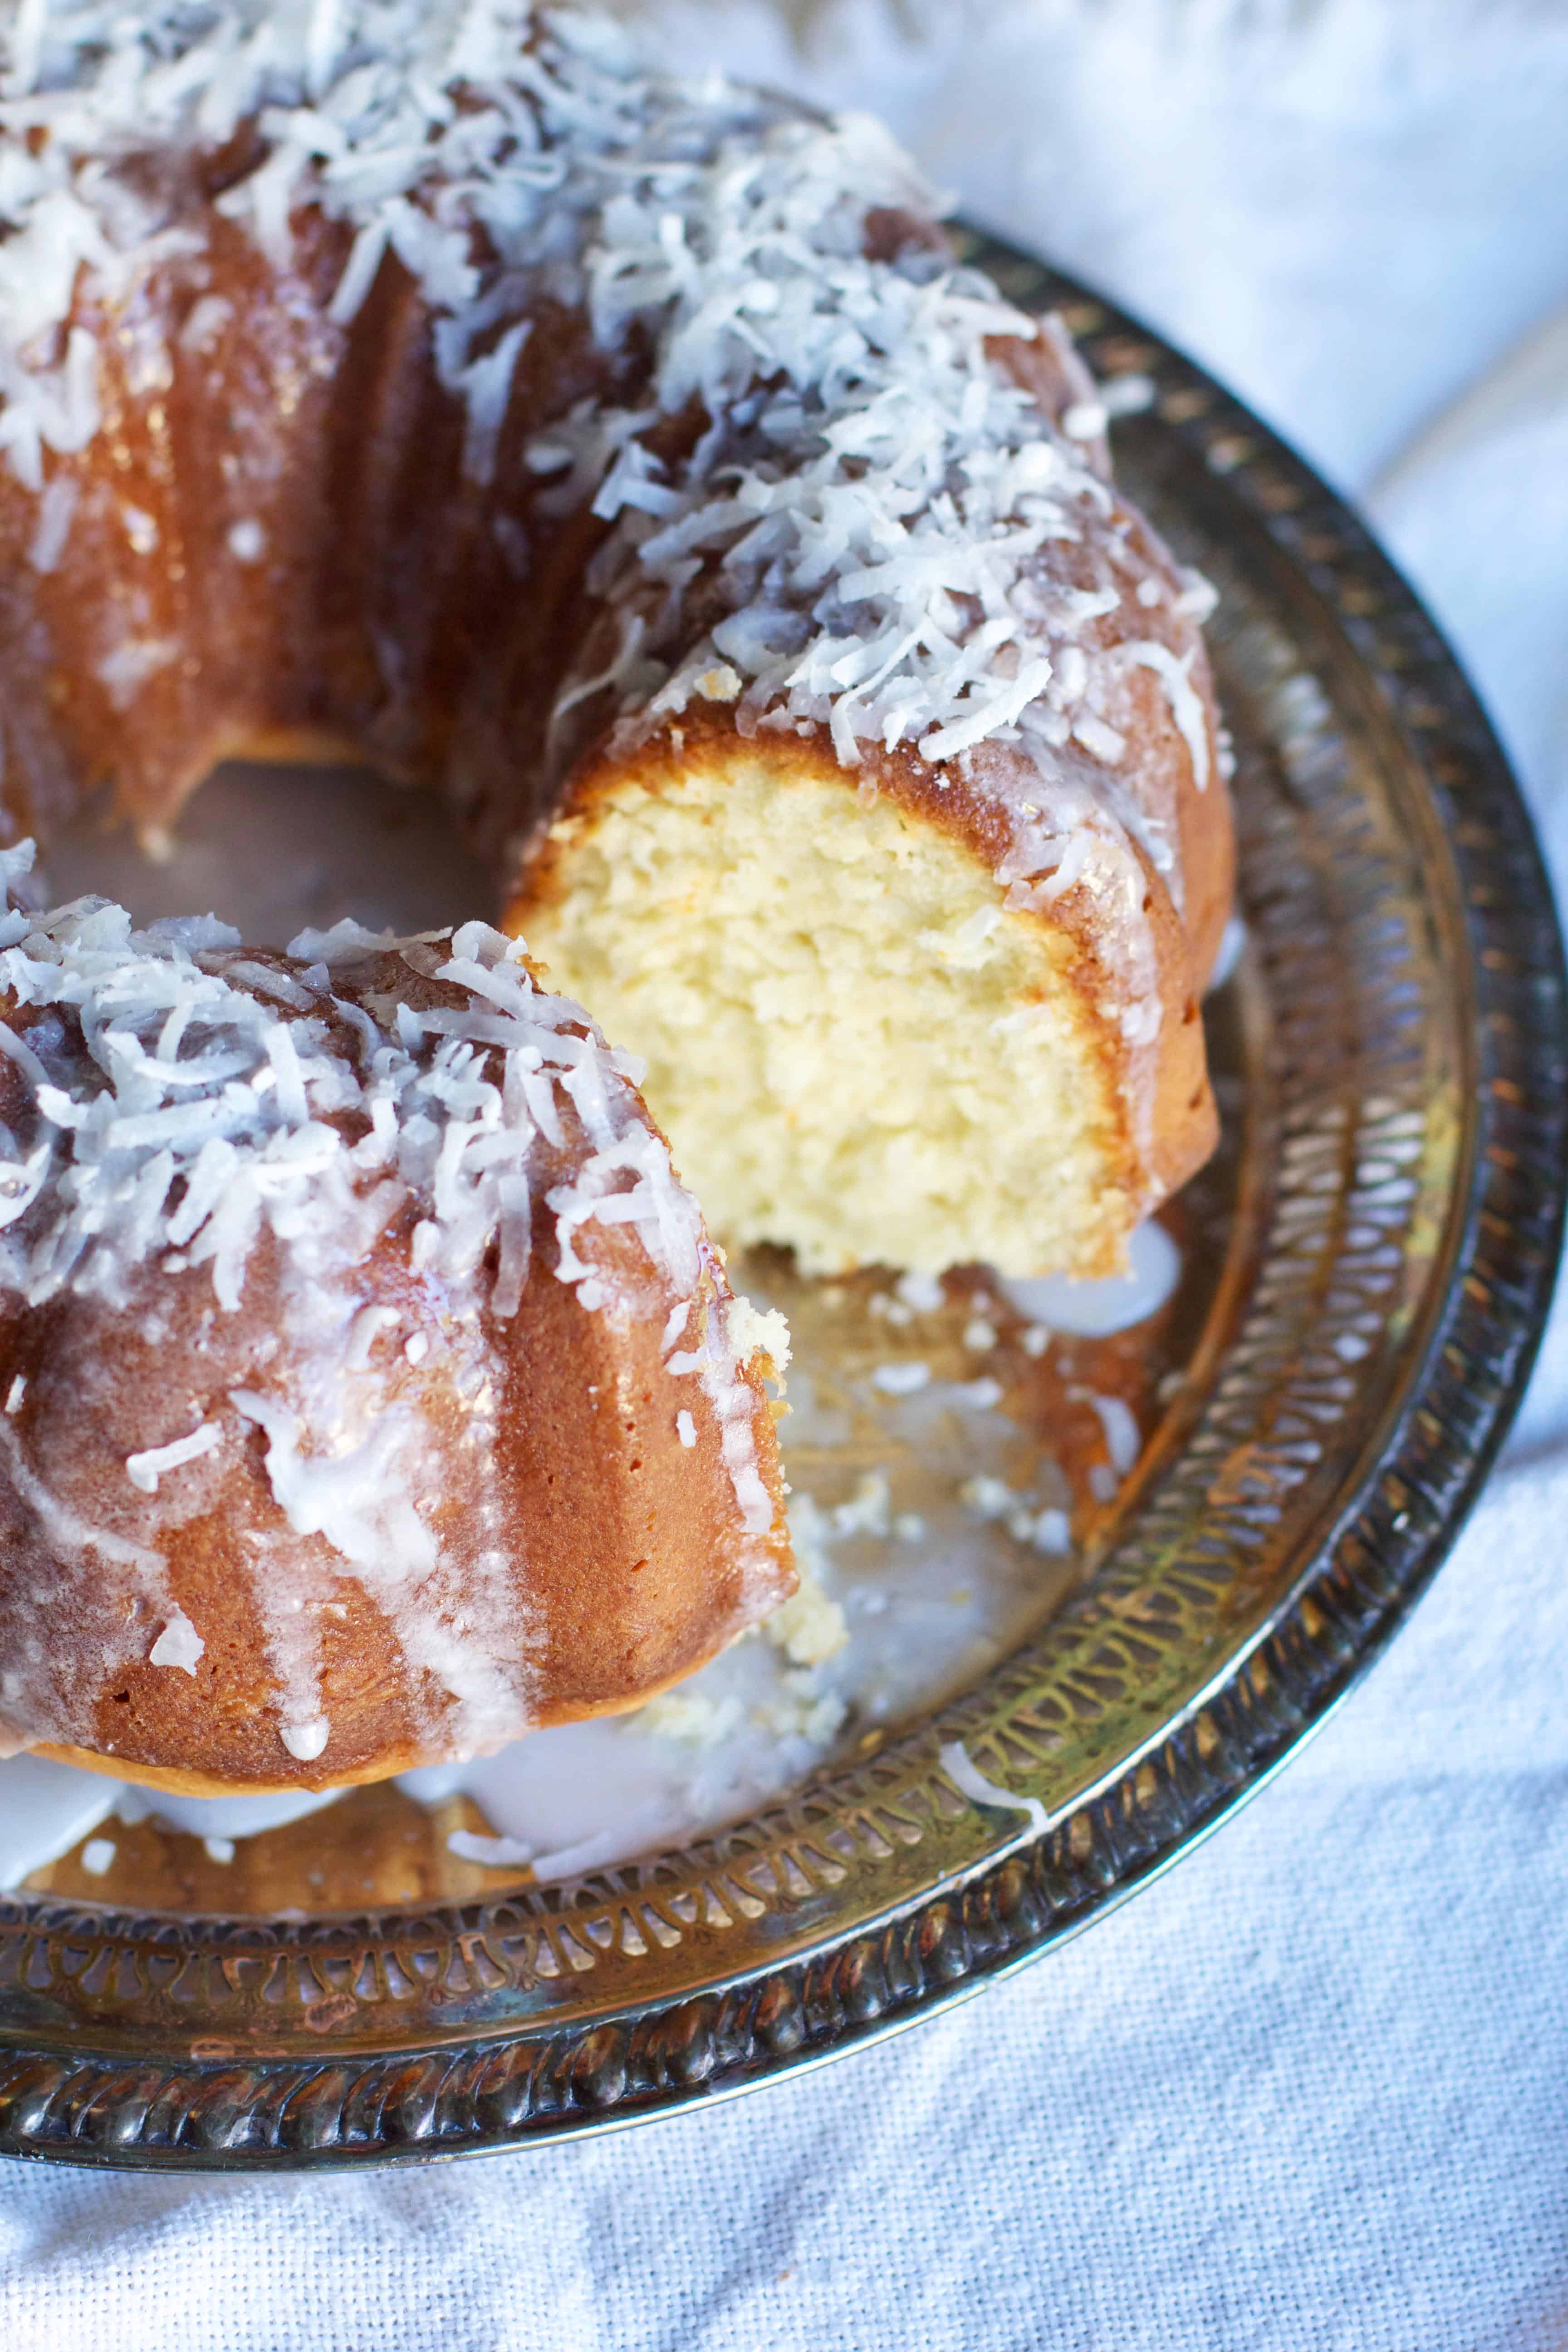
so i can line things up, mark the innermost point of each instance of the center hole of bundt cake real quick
(271, 850)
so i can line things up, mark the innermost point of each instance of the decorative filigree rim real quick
(534, 2023)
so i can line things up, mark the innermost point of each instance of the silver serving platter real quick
(1377, 1247)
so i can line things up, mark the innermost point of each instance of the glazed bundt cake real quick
(626, 457)
(371, 1392)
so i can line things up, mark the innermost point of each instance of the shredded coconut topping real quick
(176, 1108)
(874, 492)
(864, 527)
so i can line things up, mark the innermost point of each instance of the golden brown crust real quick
(181, 1780)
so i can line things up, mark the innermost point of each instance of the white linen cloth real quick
(1306, 2092)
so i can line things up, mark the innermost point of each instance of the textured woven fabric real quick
(1306, 2092)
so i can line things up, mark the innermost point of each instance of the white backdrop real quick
(1307, 2092)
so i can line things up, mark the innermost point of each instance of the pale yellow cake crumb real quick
(853, 1047)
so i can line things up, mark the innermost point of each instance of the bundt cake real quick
(626, 459)
(371, 1390)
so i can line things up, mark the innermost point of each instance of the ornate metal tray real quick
(1374, 1293)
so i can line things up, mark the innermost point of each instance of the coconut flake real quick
(967, 1777)
(1174, 673)
(144, 1470)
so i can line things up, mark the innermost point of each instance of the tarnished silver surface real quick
(1397, 1106)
